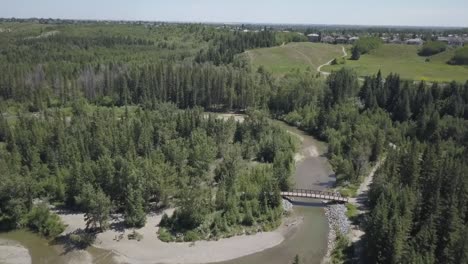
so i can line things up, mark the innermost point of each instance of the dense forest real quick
(111, 119)
(93, 121)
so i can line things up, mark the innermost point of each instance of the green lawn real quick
(300, 55)
(404, 60)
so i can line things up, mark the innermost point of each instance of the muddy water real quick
(43, 251)
(308, 240)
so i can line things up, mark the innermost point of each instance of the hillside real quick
(303, 55)
(404, 60)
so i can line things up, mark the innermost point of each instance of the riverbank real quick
(338, 220)
(338, 224)
(150, 249)
(12, 252)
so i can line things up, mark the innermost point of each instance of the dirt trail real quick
(319, 68)
(360, 201)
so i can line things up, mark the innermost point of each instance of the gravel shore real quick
(12, 252)
(337, 222)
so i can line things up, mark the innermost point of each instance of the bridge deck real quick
(302, 193)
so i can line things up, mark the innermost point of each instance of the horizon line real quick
(239, 22)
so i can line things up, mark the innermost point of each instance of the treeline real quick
(185, 84)
(224, 46)
(85, 42)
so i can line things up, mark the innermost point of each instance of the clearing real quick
(298, 55)
(404, 60)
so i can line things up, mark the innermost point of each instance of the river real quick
(308, 240)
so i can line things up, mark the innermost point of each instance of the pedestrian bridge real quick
(323, 195)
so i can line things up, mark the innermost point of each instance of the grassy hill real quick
(404, 60)
(300, 55)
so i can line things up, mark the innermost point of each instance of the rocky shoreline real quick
(337, 222)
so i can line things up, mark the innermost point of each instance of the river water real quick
(308, 240)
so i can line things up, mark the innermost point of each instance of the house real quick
(341, 40)
(351, 40)
(415, 41)
(443, 39)
(396, 41)
(328, 39)
(313, 37)
(452, 41)
(455, 41)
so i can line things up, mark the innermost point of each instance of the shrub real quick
(366, 44)
(41, 220)
(135, 236)
(460, 57)
(191, 236)
(432, 47)
(82, 239)
(338, 61)
(165, 221)
(164, 235)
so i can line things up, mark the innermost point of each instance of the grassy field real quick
(404, 60)
(300, 55)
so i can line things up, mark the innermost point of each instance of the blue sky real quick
(353, 12)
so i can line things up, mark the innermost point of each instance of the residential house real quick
(313, 37)
(341, 40)
(328, 39)
(396, 41)
(351, 40)
(415, 41)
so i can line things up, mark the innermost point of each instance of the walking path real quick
(319, 68)
(360, 201)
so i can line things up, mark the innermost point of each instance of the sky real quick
(343, 12)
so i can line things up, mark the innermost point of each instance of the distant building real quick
(443, 39)
(415, 41)
(395, 41)
(456, 41)
(341, 40)
(328, 39)
(385, 39)
(452, 41)
(351, 40)
(313, 37)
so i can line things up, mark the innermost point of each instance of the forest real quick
(104, 119)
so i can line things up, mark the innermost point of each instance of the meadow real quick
(286, 58)
(404, 60)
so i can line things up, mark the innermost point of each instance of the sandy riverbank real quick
(151, 250)
(12, 252)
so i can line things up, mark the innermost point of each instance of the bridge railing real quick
(317, 194)
(306, 191)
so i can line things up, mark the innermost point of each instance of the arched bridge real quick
(303, 193)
